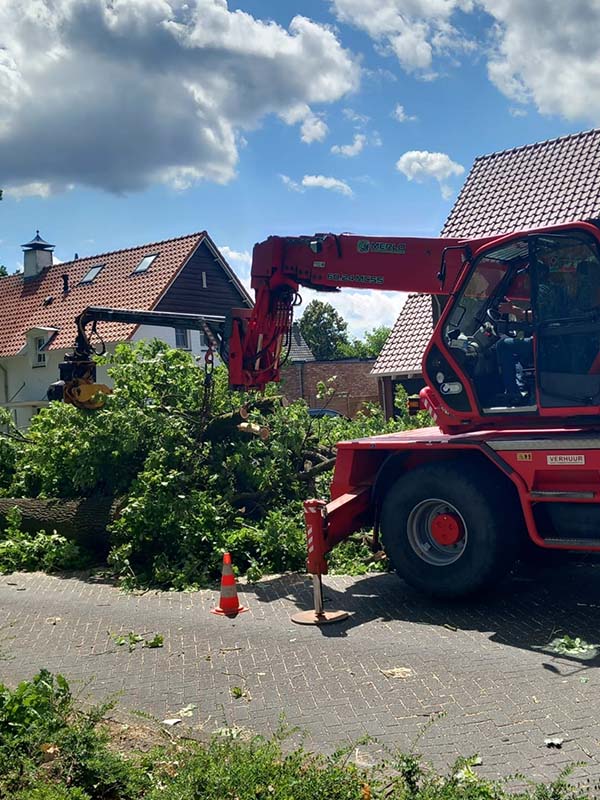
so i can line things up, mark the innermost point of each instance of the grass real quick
(51, 750)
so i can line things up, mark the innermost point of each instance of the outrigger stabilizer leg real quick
(315, 515)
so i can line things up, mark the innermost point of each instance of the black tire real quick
(487, 516)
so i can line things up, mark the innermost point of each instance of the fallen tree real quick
(198, 472)
(84, 521)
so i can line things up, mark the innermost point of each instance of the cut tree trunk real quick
(83, 520)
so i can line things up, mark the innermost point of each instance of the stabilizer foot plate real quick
(324, 618)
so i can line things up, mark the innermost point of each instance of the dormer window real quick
(92, 274)
(145, 263)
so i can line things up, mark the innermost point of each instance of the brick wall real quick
(354, 384)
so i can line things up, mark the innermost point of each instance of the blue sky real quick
(138, 120)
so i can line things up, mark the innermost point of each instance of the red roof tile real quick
(24, 301)
(526, 187)
(539, 184)
(403, 351)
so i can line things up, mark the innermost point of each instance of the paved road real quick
(486, 666)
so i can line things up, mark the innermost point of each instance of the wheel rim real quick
(437, 532)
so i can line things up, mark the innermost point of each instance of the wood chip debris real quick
(397, 672)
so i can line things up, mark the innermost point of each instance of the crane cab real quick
(520, 337)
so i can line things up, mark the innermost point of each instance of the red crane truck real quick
(512, 377)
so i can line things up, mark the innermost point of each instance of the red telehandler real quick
(512, 377)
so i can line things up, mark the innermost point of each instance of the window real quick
(39, 357)
(92, 274)
(182, 339)
(145, 263)
(566, 302)
(203, 340)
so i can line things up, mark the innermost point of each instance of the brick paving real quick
(484, 667)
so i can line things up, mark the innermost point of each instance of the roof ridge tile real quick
(540, 143)
(131, 249)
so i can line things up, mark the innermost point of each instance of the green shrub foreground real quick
(186, 499)
(51, 750)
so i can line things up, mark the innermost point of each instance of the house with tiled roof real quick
(299, 351)
(38, 306)
(538, 184)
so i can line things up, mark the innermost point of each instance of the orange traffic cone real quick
(229, 605)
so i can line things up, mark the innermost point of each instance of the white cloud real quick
(548, 53)
(33, 189)
(419, 165)
(413, 30)
(313, 129)
(292, 185)
(350, 150)
(125, 94)
(360, 120)
(516, 111)
(399, 114)
(241, 261)
(323, 182)
(363, 309)
(542, 52)
(318, 182)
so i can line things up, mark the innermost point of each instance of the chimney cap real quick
(37, 243)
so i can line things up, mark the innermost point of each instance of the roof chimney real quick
(37, 255)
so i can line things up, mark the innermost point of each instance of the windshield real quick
(492, 269)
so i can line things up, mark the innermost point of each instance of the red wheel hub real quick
(447, 529)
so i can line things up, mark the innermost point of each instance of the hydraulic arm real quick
(260, 337)
(77, 384)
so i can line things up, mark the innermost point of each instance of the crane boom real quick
(327, 262)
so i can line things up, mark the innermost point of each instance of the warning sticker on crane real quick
(563, 460)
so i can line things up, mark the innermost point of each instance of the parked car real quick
(318, 413)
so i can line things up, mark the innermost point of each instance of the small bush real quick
(50, 750)
(45, 739)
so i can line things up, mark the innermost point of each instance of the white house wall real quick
(26, 383)
(168, 335)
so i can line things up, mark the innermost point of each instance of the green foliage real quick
(355, 557)
(421, 420)
(3, 270)
(370, 347)
(26, 552)
(41, 733)
(185, 500)
(324, 330)
(70, 453)
(326, 333)
(50, 750)
(132, 639)
(8, 449)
